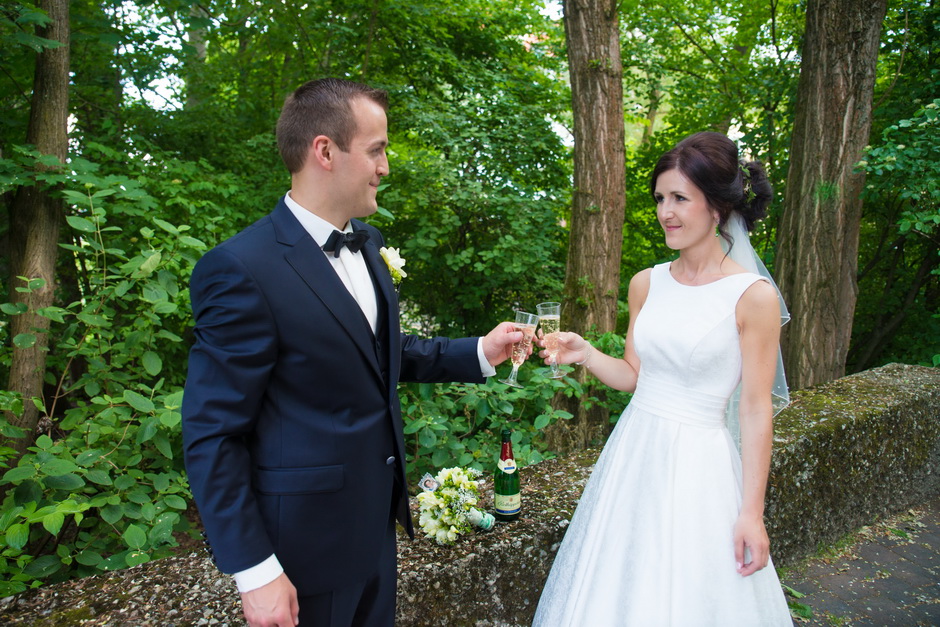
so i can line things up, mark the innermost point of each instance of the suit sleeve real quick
(229, 366)
(440, 360)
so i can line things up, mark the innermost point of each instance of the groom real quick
(291, 420)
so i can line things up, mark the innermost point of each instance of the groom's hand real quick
(497, 344)
(272, 605)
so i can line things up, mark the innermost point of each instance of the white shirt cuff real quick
(258, 575)
(485, 368)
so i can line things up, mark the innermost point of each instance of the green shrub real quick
(104, 487)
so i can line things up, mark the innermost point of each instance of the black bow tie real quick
(353, 241)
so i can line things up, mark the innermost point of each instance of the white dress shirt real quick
(353, 272)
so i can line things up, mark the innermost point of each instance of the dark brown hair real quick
(320, 107)
(710, 161)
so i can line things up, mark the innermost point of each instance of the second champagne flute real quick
(550, 321)
(526, 323)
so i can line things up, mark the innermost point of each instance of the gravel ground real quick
(188, 590)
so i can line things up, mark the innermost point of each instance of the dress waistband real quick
(679, 403)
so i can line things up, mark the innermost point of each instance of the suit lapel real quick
(385, 289)
(308, 260)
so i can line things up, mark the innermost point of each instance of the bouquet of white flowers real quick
(448, 504)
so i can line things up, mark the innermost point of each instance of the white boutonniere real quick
(395, 263)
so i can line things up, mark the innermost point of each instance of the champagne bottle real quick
(506, 483)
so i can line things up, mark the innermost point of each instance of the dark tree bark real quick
(818, 234)
(592, 279)
(35, 216)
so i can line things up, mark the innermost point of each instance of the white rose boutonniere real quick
(395, 263)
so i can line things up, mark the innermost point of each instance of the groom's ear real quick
(322, 152)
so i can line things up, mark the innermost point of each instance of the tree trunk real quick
(818, 234)
(592, 279)
(35, 216)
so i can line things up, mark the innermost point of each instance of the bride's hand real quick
(571, 348)
(750, 534)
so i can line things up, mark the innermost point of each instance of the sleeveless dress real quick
(651, 542)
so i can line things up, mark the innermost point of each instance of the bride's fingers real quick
(570, 341)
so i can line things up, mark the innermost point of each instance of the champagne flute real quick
(550, 322)
(526, 323)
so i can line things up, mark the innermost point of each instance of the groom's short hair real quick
(320, 107)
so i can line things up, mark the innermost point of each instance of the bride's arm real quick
(758, 315)
(620, 374)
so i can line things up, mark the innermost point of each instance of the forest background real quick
(136, 135)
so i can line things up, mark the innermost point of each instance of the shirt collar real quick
(318, 228)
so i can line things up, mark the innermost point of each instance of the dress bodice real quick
(687, 340)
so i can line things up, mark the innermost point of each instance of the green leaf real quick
(88, 457)
(81, 224)
(138, 496)
(427, 437)
(124, 482)
(94, 320)
(43, 567)
(161, 533)
(174, 400)
(166, 226)
(88, 558)
(541, 422)
(148, 428)
(17, 536)
(99, 476)
(170, 419)
(19, 473)
(111, 513)
(57, 466)
(56, 314)
(138, 402)
(152, 363)
(413, 427)
(53, 522)
(24, 340)
(135, 558)
(134, 537)
(161, 482)
(162, 442)
(193, 242)
(149, 265)
(115, 562)
(14, 309)
(7, 517)
(174, 501)
(64, 482)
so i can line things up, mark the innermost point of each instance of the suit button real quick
(390, 461)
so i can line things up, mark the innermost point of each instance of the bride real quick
(670, 528)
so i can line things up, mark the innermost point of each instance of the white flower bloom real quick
(395, 263)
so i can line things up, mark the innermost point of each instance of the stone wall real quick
(845, 453)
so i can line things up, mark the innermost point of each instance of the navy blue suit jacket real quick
(291, 417)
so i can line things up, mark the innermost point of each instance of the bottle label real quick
(508, 466)
(507, 504)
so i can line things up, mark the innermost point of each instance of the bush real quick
(104, 487)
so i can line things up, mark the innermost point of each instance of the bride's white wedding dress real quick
(651, 541)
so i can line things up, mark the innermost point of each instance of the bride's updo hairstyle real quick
(710, 161)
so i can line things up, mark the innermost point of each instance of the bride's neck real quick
(700, 263)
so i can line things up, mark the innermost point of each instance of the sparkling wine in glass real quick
(526, 323)
(550, 321)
